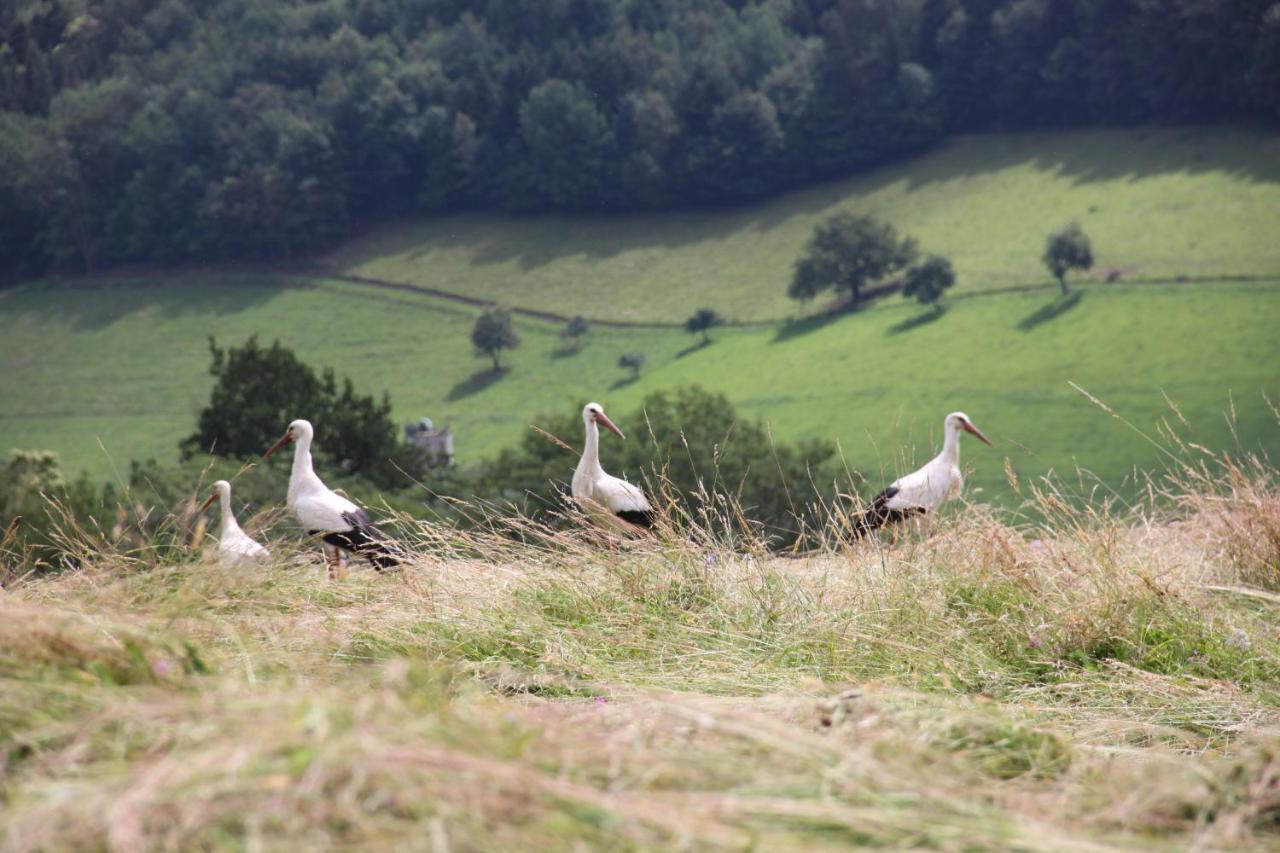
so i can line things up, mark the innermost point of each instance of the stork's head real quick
(221, 488)
(297, 431)
(593, 413)
(957, 421)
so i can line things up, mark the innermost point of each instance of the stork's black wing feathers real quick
(639, 517)
(364, 539)
(878, 514)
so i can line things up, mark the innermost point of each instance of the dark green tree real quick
(633, 361)
(928, 279)
(566, 137)
(259, 390)
(575, 330)
(846, 252)
(646, 126)
(703, 320)
(494, 332)
(1066, 250)
(162, 132)
(744, 139)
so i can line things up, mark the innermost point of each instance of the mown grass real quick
(1157, 203)
(1098, 681)
(125, 363)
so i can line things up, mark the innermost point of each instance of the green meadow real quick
(1157, 203)
(108, 371)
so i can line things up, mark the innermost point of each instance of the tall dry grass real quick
(1083, 676)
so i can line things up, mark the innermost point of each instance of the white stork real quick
(925, 490)
(234, 545)
(602, 495)
(341, 524)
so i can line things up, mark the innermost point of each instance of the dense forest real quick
(141, 131)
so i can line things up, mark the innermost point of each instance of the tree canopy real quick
(702, 322)
(575, 330)
(259, 390)
(175, 130)
(928, 279)
(1066, 250)
(633, 361)
(492, 333)
(846, 252)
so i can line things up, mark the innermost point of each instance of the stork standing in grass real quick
(235, 547)
(922, 492)
(603, 496)
(323, 512)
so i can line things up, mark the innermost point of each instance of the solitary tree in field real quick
(1066, 250)
(703, 320)
(575, 330)
(927, 279)
(493, 333)
(848, 251)
(632, 361)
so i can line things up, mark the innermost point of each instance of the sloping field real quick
(1156, 203)
(124, 364)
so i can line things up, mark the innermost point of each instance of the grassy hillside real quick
(125, 363)
(1157, 203)
(1096, 688)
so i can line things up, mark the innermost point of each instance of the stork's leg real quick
(341, 565)
(333, 561)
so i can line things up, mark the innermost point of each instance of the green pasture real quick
(1157, 203)
(108, 371)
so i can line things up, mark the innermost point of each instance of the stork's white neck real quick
(303, 477)
(951, 446)
(589, 464)
(228, 518)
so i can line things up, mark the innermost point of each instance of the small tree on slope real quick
(848, 251)
(1066, 250)
(494, 332)
(928, 279)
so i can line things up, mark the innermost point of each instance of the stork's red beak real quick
(970, 428)
(284, 439)
(213, 497)
(603, 419)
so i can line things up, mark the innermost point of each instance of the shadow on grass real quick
(1059, 306)
(919, 320)
(841, 307)
(794, 328)
(93, 303)
(624, 382)
(566, 351)
(537, 241)
(692, 348)
(475, 383)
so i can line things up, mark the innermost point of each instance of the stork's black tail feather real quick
(878, 514)
(366, 540)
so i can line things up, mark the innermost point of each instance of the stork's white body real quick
(235, 547)
(315, 505)
(340, 523)
(602, 495)
(929, 487)
(923, 491)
